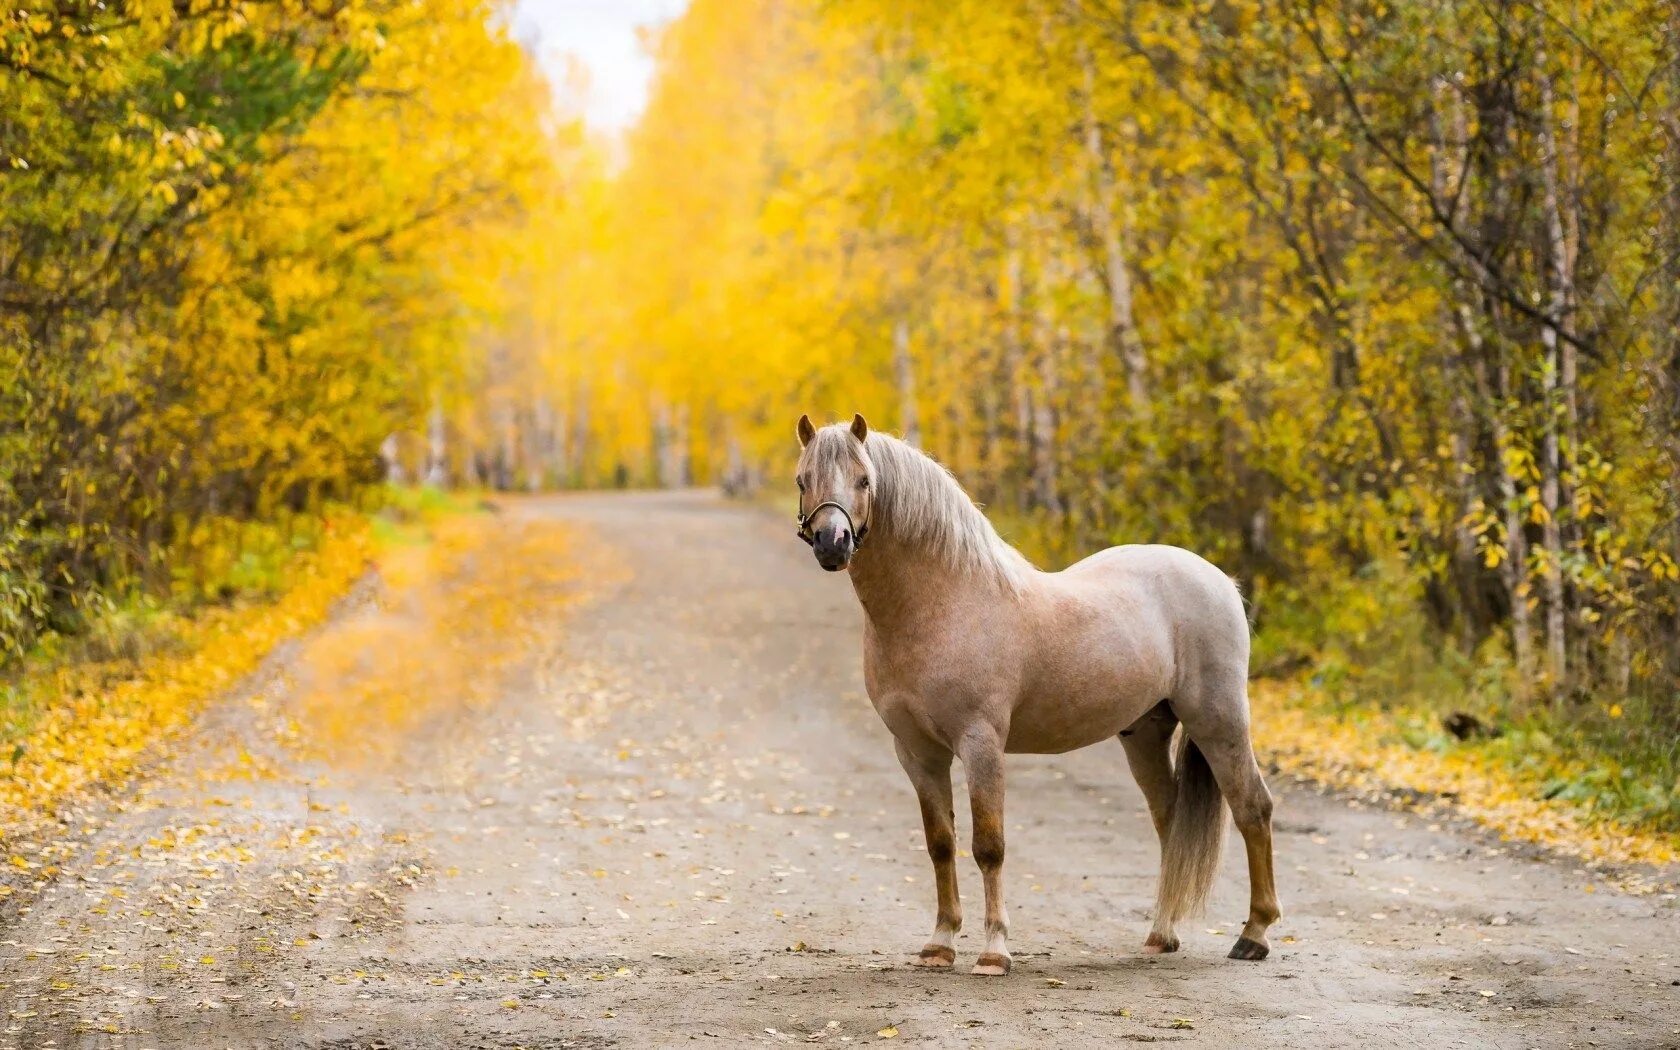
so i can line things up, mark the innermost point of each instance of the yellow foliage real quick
(1365, 752)
(469, 599)
(92, 734)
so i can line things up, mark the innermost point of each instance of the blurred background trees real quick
(1376, 304)
(241, 245)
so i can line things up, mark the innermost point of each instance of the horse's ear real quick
(806, 431)
(860, 429)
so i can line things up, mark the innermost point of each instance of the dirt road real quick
(678, 821)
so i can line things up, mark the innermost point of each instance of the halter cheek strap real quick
(810, 538)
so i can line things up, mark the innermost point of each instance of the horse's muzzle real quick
(834, 548)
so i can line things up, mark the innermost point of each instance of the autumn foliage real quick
(1376, 304)
(241, 245)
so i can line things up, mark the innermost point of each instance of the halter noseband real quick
(810, 538)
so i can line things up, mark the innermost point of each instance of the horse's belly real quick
(1049, 726)
(1078, 704)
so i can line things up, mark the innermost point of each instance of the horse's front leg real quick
(930, 774)
(982, 757)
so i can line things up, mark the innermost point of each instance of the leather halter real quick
(810, 538)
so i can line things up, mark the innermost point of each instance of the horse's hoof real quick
(991, 964)
(937, 957)
(1155, 944)
(1249, 951)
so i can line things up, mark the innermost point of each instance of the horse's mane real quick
(918, 503)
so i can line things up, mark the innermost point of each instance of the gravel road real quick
(677, 821)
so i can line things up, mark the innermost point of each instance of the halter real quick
(804, 522)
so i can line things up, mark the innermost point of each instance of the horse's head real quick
(836, 492)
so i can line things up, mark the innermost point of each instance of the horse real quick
(972, 653)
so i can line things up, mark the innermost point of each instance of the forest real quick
(1373, 303)
(1376, 304)
(242, 245)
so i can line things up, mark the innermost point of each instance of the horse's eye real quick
(800, 482)
(863, 483)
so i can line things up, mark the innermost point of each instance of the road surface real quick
(672, 819)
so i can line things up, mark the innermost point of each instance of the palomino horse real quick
(970, 652)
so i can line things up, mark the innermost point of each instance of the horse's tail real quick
(1190, 855)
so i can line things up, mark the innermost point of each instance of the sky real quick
(602, 35)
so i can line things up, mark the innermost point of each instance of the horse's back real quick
(1196, 597)
(1145, 563)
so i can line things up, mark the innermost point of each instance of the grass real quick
(1613, 760)
(1403, 757)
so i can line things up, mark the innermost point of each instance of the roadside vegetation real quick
(251, 255)
(249, 249)
(1377, 305)
(77, 715)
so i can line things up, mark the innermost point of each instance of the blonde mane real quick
(919, 503)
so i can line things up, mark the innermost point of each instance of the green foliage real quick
(252, 86)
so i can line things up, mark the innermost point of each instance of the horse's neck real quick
(898, 585)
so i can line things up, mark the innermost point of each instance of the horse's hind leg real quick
(931, 777)
(1148, 744)
(1224, 742)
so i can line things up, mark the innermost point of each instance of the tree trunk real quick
(682, 448)
(1046, 483)
(1460, 335)
(1123, 339)
(437, 448)
(1663, 369)
(991, 438)
(539, 444)
(579, 452)
(1513, 569)
(390, 453)
(1559, 359)
(561, 461)
(904, 374)
(507, 457)
(1015, 379)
